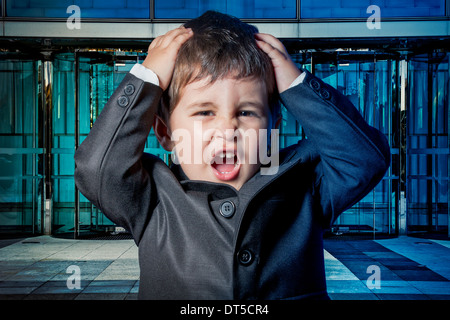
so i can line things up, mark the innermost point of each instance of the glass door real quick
(21, 152)
(370, 82)
(99, 76)
(95, 86)
(428, 144)
(83, 83)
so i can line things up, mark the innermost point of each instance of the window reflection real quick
(358, 9)
(368, 80)
(244, 9)
(427, 141)
(20, 176)
(89, 9)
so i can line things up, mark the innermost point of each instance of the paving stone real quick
(36, 269)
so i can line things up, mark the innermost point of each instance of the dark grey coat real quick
(265, 241)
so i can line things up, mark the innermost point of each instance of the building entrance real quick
(49, 105)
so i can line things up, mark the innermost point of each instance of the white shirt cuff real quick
(299, 80)
(144, 74)
(148, 75)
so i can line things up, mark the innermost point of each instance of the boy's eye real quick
(204, 113)
(246, 113)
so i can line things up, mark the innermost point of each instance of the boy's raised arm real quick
(110, 169)
(353, 155)
(284, 68)
(162, 54)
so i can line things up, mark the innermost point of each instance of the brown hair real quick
(221, 46)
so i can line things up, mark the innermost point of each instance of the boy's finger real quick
(270, 50)
(173, 34)
(182, 37)
(167, 38)
(155, 42)
(274, 42)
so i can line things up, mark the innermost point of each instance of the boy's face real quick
(216, 129)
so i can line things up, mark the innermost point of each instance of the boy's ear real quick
(162, 133)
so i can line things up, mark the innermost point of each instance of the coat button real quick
(227, 209)
(314, 84)
(123, 101)
(245, 257)
(129, 89)
(324, 94)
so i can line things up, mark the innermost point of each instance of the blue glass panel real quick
(244, 9)
(427, 139)
(88, 8)
(358, 9)
(19, 145)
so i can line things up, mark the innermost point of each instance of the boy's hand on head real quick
(285, 69)
(162, 54)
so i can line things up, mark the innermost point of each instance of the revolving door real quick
(83, 83)
(370, 80)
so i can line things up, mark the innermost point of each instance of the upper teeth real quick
(226, 155)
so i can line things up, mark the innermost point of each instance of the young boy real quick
(213, 226)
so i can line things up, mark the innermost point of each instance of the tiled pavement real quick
(38, 268)
(408, 268)
(401, 268)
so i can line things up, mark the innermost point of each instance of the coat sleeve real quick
(353, 155)
(110, 169)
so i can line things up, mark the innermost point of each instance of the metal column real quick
(46, 96)
(77, 141)
(404, 94)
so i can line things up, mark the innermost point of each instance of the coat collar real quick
(289, 157)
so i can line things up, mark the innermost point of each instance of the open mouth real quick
(225, 165)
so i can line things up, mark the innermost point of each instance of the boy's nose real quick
(226, 127)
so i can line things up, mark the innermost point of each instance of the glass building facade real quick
(53, 89)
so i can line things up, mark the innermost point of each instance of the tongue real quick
(224, 167)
